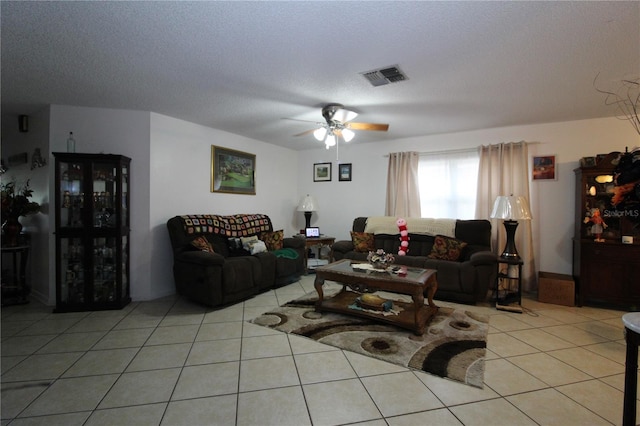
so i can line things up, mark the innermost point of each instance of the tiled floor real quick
(171, 362)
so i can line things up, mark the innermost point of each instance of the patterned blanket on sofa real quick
(239, 225)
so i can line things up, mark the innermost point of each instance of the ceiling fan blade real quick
(306, 132)
(367, 126)
(303, 121)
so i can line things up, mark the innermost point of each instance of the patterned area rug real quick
(453, 345)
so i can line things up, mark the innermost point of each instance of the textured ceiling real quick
(247, 67)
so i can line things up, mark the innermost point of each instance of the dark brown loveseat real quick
(230, 274)
(465, 280)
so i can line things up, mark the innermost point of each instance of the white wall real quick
(552, 201)
(180, 176)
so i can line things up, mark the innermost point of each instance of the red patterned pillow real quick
(273, 240)
(446, 248)
(362, 242)
(201, 243)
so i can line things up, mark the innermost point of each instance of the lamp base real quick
(510, 252)
(307, 218)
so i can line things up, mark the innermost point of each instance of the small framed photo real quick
(544, 167)
(232, 171)
(322, 172)
(344, 172)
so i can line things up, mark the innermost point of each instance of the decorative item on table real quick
(379, 259)
(373, 302)
(15, 203)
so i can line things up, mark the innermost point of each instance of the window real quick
(448, 184)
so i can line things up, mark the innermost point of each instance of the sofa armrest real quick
(343, 246)
(294, 243)
(483, 258)
(197, 257)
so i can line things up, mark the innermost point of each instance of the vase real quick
(11, 229)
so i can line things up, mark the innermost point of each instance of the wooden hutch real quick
(606, 270)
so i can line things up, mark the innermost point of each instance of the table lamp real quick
(511, 209)
(307, 205)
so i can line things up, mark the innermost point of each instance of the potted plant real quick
(15, 202)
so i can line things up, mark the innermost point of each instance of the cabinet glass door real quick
(125, 267)
(104, 192)
(71, 195)
(599, 214)
(125, 196)
(72, 272)
(104, 269)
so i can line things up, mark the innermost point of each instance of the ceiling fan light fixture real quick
(347, 135)
(330, 140)
(320, 133)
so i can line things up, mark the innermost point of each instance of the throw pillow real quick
(247, 240)
(446, 248)
(362, 242)
(273, 240)
(253, 245)
(201, 243)
(257, 247)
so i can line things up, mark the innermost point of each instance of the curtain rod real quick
(449, 151)
(458, 151)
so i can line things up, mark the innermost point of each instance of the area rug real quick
(453, 346)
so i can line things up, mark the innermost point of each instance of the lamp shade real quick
(308, 204)
(509, 207)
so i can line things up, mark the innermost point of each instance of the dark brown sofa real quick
(465, 280)
(231, 274)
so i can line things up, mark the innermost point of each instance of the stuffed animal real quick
(404, 237)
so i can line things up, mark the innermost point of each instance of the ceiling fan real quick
(339, 125)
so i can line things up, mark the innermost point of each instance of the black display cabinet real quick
(92, 231)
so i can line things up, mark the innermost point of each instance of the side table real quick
(320, 242)
(507, 278)
(14, 281)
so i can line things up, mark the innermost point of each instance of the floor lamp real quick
(510, 209)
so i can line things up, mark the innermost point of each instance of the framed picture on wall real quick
(322, 172)
(544, 167)
(232, 171)
(344, 172)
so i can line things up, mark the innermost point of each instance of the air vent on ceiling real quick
(383, 76)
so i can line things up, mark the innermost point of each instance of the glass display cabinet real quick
(92, 231)
(606, 269)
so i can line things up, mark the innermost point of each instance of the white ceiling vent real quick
(383, 76)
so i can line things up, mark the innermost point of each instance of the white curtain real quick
(504, 170)
(403, 195)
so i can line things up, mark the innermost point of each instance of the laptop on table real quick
(312, 232)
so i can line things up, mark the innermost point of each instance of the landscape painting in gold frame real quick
(232, 171)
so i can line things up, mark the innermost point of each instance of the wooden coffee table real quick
(415, 283)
